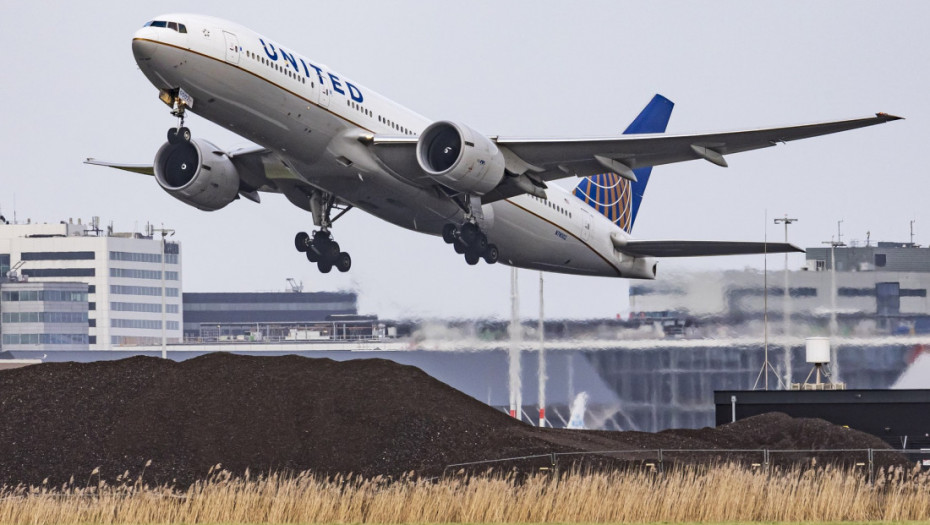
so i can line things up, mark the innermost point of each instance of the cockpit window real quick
(180, 28)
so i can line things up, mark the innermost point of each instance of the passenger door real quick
(232, 48)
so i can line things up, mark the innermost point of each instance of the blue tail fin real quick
(617, 198)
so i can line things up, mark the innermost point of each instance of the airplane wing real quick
(699, 248)
(259, 169)
(541, 160)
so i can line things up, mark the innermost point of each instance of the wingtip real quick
(886, 117)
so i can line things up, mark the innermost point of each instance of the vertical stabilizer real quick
(617, 198)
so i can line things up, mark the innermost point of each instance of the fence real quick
(867, 459)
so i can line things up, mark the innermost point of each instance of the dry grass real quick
(719, 494)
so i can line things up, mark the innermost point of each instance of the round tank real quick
(818, 349)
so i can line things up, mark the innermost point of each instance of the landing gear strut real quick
(321, 248)
(471, 242)
(180, 133)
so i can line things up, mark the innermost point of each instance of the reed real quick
(726, 493)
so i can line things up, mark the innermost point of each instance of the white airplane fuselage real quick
(310, 117)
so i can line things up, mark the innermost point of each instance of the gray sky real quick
(72, 90)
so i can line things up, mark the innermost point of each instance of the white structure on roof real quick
(125, 273)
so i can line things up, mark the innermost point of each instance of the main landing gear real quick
(471, 242)
(321, 248)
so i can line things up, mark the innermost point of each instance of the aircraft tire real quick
(481, 243)
(448, 233)
(324, 266)
(469, 233)
(184, 134)
(312, 256)
(343, 262)
(172, 135)
(472, 258)
(302, 241)
(459, 247)
(491, 254)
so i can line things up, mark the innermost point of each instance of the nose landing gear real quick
(180, 133)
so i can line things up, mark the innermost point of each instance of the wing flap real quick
(667, 249)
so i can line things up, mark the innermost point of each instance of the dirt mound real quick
(367, 416)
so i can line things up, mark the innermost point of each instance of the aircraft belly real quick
(528, 241)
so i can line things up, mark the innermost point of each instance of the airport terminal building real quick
(877, 289)
(128, 278)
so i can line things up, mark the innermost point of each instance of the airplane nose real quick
(145, 43)
(143, 48)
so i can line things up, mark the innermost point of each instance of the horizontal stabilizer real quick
(144, 169)
(699, 248)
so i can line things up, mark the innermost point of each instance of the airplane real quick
(329, 144)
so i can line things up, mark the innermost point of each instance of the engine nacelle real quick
(639, 267)
(457, 156)
(197, 173)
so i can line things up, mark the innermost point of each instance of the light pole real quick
(165, 232)
(542, 357)
(834, 325)
(786, 304)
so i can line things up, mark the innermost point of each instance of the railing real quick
(658, 460)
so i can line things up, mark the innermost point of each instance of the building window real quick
(136, 257)
(154, 291)
(142, 274)
(881, 260)
(60, 272)
(57, 256)
(44, 317)
(888, 298)
(142, 324)
(52, 296)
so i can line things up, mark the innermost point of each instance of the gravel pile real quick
(367, 416)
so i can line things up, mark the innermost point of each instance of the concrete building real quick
(273, 316)
(129, 276)
(878, 289)
(43, 316)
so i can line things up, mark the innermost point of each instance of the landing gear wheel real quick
(448, 233)
(472, 258)
(184, 134)
(302, 242)
(343, 262)
(481, 243)
(459, 247)
(173, 136)
(331, 250)
(324, 266)
(491, 254)
(469, 233)
(312, 256)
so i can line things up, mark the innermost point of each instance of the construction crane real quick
(295, 285)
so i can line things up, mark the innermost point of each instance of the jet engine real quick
(197, 173)
(460, 158)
